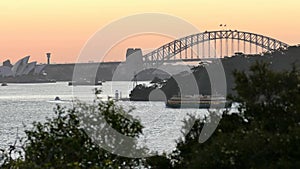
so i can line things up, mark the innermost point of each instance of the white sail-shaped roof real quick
(29, 67)
(20, 66)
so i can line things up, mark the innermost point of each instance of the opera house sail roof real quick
(20, 68)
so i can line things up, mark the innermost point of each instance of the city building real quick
(20, 68)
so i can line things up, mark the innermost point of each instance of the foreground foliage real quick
(264, 134)
(61, 142)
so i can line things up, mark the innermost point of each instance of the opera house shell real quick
(21, 68)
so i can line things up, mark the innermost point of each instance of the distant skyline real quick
(35, 27)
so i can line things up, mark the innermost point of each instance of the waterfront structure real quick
(20, 68)
(48, 58)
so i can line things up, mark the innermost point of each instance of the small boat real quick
(4, 84)
(85, 83)
(198, 101)
(57, 99)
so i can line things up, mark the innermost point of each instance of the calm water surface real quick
(21, 104)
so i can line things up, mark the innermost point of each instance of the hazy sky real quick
(34, 27)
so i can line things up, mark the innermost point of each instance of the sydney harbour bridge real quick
(189, 50)
(210, 45)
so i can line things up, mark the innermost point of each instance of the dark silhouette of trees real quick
(264, 134)
(61, 142)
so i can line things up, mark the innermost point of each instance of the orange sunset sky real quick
(34, 27)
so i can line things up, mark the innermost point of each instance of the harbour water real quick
(21, 104)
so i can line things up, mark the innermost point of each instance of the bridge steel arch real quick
(167, 52)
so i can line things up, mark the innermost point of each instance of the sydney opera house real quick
(20, 69)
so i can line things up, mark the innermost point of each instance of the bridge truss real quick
(183, 49)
